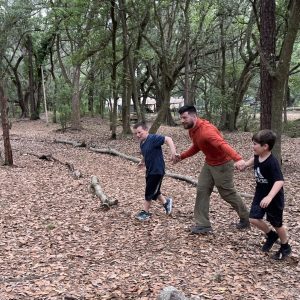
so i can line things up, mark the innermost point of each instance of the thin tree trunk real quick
(127, 87)
(8, 157)
(75, 115)
(113, 115)
(187, 98)
(33, 106)
(224, 104)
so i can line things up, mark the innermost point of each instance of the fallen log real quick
(115, 153)
(97, 190)
(74, 144)
(188, 179)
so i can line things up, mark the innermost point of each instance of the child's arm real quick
(242, 166)
(275, 189)
(171, 145)
(249, 162)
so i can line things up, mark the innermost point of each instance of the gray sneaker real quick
(168, 205)
(143, 216)
(198, 229)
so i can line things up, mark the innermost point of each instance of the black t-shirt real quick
(266, 174)
(153, 155)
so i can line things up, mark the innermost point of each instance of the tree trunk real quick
(282, 72)
(187, 99)
(8, 158)
(113, 116)
(164, 114)
(224, 104)
(75, 114)
(33, 107)
(127, 87)
(267, 60)
(91, 88)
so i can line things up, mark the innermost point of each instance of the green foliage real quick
(63, 104)
(246, 121)
(292, 128)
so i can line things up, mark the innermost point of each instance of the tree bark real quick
(33, 106)
(8, 157)
(75, 114)
(127, 86)
(114, 94)
(280, 80)
(267, 60)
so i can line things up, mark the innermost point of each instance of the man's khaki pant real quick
(222, 177)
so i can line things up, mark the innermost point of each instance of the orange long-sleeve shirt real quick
(208, 139)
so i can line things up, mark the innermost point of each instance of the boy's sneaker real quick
(271, 239)
(282, 253)
(143, 216)
(168, 205)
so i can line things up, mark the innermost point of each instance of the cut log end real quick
(95, 188)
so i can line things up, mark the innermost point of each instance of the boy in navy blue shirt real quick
(153, 160)
(269, 197)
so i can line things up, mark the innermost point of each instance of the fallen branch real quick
(75, 173)
(97, 190)
(115, 153)
(188, 179)
(74, 144)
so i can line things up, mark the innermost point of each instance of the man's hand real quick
(176, 158)
(240, 165)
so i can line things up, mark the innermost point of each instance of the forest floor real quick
(57, 243)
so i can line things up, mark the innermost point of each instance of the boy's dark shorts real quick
(274, 212)
(153, 184)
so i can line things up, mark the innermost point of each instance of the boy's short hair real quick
(265, 136)
(141, 124)
(191, 109)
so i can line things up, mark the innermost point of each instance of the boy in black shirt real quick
(269, 197)
(153, 160)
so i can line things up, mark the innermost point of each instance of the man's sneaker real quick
(198, 229)
(168, 205)
(243, 224)
(282, 253)
(271, 239)
(143, 216)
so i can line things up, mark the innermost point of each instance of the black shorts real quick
(153, 184)
(274, 212)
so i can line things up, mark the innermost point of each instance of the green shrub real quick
(292, 128)
(64, 115)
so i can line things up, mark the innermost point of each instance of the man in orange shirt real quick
(217, 170)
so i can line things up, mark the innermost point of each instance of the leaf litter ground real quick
(57, 242)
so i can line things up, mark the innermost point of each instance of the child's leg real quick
(282, 233)
(260, 224)
(147, 205)
(162, 199)
(272, 236)
(285, 249)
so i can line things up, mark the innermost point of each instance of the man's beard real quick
(188, 125)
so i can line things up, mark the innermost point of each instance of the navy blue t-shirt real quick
(266, 174)
(153, 155)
